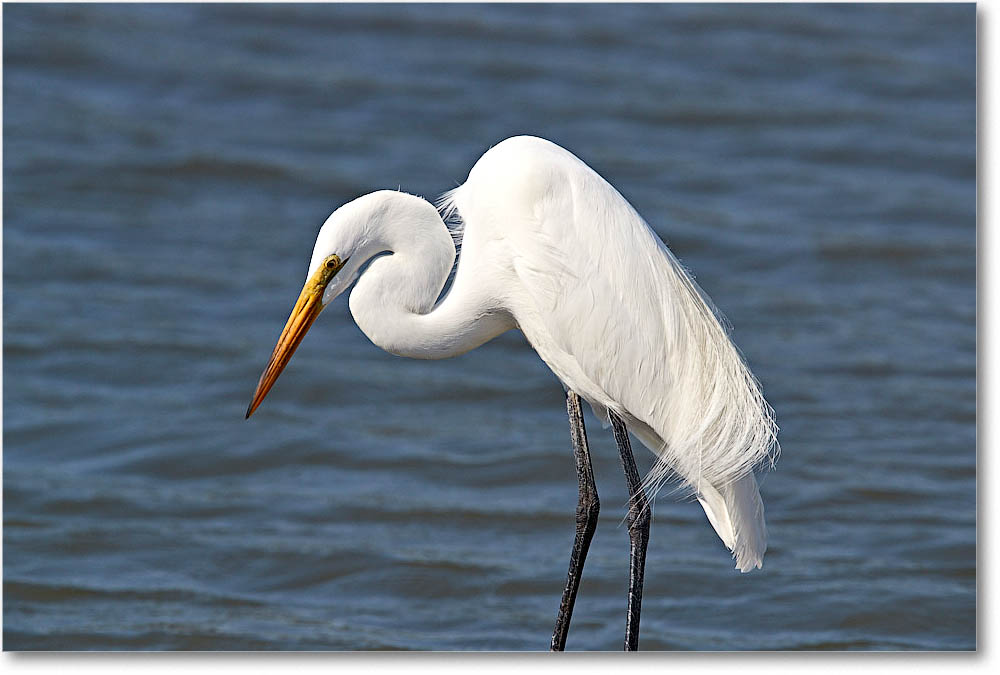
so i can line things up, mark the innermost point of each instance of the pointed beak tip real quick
(251, 407)
(255, 402)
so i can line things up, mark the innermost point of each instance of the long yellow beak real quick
(307, 308)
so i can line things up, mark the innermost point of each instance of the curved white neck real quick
(395, 300)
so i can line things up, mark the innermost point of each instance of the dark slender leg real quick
(587, 509)
(638, 533)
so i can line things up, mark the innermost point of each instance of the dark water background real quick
(165, 171)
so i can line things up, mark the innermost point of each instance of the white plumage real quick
(611, 311)
(550, 247)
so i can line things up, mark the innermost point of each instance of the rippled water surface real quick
(165, 171)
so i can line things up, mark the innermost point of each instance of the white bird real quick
(549, 247)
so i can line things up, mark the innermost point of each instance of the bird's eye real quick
(331, 263)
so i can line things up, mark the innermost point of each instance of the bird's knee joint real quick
(588, 508)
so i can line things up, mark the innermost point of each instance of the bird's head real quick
(341, 248)
(375, 223)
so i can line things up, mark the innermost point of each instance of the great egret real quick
(551, 248)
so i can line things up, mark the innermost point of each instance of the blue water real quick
(165, 171)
